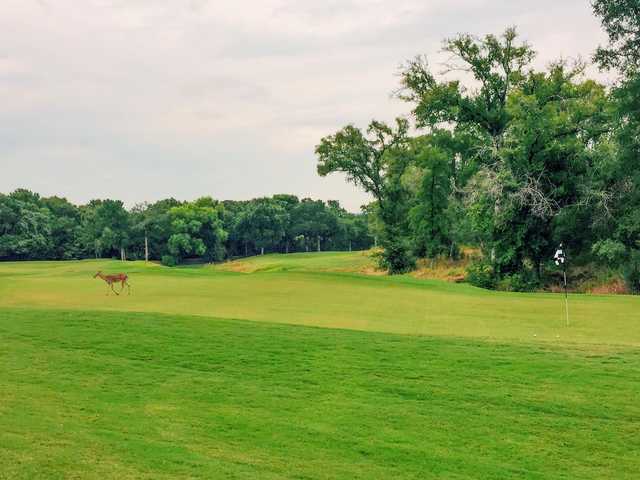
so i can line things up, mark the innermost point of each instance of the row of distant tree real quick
(37, 228)
(516, 162)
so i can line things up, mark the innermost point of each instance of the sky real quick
(147, 99)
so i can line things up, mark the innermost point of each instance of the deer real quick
(117, 278)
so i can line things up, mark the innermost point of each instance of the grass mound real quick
(353, 262)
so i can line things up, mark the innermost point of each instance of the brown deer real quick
(117, 278)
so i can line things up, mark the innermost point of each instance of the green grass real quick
(302, 262)
(292, 293)
(174, 382)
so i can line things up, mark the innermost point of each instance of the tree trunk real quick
(349, 245)
(318, 242)
(262, 251)
(246, 249)
(122, 257)
(287, 247)
(146, 247)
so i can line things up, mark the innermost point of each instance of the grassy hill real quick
(206, 372)
(351, 262)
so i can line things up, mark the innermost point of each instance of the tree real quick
(151, 228)
(25, 227)
(288, 203)
(376, 164)
(498, 65)
(105, 228)
(196, 231)
(621, 173)
(545, 168)
(262, 224)
(429, 223)
(621, 22)
(65, 228)
(313, 222)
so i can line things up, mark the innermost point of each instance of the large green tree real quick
(497, 64)
(262, 225)
(196, 231)
(25, 227)
(105, 228)
(376, 163)
(621, 227)
(544, 179)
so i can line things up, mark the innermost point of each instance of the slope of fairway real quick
(327, 299)
(353, 262)
(99, 395)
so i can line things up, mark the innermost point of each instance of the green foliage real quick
(621, 21)
(396, 255)
(609, 251)
(25, 227)
(430, 226)
(262, 224)
(32, 227)
(105, 227)
(376, 164)
(524, 281)
(496, 63)
(169, 261)
(632, 272)
(197, 231)
(481, 274)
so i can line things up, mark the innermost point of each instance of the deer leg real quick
(114, 290)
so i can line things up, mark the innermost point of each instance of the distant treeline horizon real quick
(33, 227)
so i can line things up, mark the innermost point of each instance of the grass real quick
(353, 262)
(292, 292)
(174, 382)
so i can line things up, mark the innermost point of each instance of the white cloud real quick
(226, 98)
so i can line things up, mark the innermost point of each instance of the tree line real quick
(508, 158)
(38, 228)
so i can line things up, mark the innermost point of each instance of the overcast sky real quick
(146, 99)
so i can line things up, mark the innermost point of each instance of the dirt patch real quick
(616, 287)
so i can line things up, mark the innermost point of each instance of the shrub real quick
(481, 274)
(396, 257)
(609, 252)
(518, 282)
(632, 272)
(169, 260)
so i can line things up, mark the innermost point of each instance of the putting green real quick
(286, 289)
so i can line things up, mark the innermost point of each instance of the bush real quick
(609, 252)
(632, 272)
(169, 260)
(481, 274)
(396, 257)
(518, 282)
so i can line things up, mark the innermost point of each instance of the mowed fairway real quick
(213, 373)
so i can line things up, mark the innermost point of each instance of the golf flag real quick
(559, 257)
